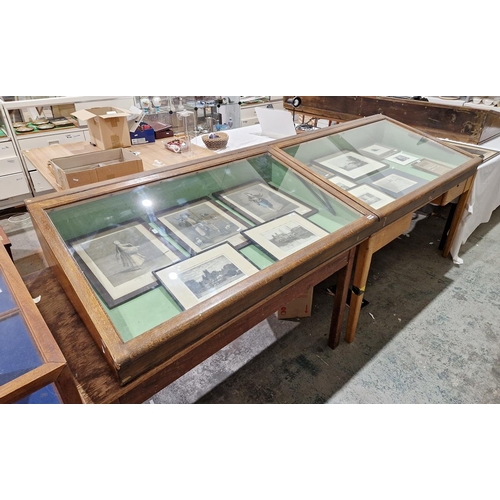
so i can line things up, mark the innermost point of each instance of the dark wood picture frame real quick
(202, 224)
(259, 202)
(119, 261)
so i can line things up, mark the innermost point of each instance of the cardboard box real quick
(108, 126)
(142, 136)
(79, 170)
(63, 110)
(300, 307)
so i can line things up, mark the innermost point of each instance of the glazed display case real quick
(158, 264)
(32, 367)
(390, 168)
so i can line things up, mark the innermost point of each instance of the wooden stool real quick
(6, 242)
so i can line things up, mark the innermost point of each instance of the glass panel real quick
(378, 162)
(6, 300)
(18, 353)
(158, 249)
(45, 396)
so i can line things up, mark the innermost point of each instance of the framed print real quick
(396, 183)
(203, 224)
(402, 158)
(341, 182)
(352, 165)
(204, 275)
(260, 203)
(285, 235)
(377, 150)
(431, 167)
(334, 179)
(118, 262)
(475, 150)
(371, 196)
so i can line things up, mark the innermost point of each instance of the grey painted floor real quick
(430, 333)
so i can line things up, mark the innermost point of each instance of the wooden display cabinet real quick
(32, 367)
(392, 170)
(166, 268)
(457, 123)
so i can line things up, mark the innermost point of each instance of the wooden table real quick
(97, 382)
(149, 153)
(384, 236)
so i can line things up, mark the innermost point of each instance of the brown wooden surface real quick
(53, 368)
(96, 380)
(149, 153)
(446, 121)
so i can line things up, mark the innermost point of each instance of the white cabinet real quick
(51, 139)
(14, 188)
(39, 183)
(10, 165)
(9, 161)
(7, 149)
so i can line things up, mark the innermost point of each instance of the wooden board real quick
(439, 120)
(149, 153)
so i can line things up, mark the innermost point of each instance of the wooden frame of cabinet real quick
(244, 304)
(53, 369)
(396, 216)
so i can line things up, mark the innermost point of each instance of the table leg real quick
(361, 270)
(343, 281)
(447, 226)
(457, 217)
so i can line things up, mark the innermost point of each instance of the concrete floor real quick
(429, 334)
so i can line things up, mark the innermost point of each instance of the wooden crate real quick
(457, 123)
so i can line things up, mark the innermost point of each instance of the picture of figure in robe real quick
(129, 255)
(259, 199)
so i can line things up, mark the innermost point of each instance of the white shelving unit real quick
(19, 179)
(14, 187)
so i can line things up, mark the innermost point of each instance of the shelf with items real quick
(206, 111)
(14, 187)
(56, 111)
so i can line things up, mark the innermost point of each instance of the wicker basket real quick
(218, 142)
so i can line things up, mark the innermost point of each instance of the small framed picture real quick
(260, 203)
(350, 164)
(402, 158)
(371, 196)
(377, 150)
(341, 182)
(396, 183)
(203, 224)
(204, 275)
(285, 235)
(119, 262)
(486, 154)
(431, 167)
